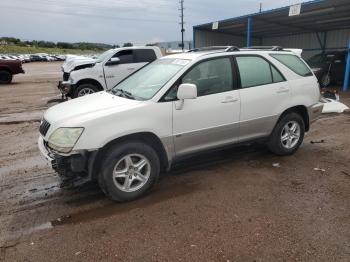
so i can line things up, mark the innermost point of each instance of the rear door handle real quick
(131, 68)
(282, 90)
(229, 99)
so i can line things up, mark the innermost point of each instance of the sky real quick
(117, 21)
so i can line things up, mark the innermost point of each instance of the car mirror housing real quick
(187, 91)
(113, 61)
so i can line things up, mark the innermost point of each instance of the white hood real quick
(71, 63)
(76, 112)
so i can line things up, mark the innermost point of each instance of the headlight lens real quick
(63, 139)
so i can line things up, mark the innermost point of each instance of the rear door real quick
(264, 92)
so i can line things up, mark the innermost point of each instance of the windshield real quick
(146, 82)
(105, 55)
(319, 60)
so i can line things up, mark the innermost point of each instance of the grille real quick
(65, 76)
(44, 127)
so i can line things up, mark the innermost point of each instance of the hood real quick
(72, 63)
(76, 111)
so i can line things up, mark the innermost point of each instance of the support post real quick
(249, 29)
(347, 70)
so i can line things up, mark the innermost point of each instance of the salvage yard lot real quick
(232, 205)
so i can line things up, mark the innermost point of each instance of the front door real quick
(116, 73)
(212, 119)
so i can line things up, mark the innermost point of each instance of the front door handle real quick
(229, 99)
(131, 68)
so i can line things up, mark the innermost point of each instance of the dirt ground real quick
(232, 205)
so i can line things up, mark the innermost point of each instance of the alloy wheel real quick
(290, 134)
(85, 91)
(131, 172)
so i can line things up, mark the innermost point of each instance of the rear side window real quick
(254, 71)
(144, 55)
(294, 63)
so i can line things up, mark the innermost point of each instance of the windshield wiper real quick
(123, 93)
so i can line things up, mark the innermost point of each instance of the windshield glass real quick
(319, 60)
(146, 82)
(105, 55)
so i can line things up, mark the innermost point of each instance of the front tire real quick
(5, 77)
(287, 135)
(129, 170)
(85, 89)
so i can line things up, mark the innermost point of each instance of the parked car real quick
(83, 76)
(178, 106)
(329, 67)
(8, 68)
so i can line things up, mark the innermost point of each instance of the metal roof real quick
(315, 16)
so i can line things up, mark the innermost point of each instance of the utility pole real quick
(182, 24)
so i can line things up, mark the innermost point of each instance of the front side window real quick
(254, 71)
(146, 82)
(125, 56)
(294, 63)
(210, 77)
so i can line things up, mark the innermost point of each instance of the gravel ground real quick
(232, 205)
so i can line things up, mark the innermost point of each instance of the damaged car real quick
(177, 106)
(83, 76)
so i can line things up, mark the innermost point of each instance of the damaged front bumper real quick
(65, 87)
(77, 166)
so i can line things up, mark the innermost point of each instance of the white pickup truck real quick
(83, 76)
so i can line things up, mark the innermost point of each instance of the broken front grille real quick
(44, 127)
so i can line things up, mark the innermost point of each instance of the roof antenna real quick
(260, 8)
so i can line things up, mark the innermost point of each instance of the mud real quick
(232, 205)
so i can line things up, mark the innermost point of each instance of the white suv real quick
(177, 106)
(83, 76)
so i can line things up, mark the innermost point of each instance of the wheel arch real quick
(145, 137)
(302, 111)
(90, 81)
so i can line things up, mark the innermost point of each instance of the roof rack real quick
(271, 48)
(216, 48)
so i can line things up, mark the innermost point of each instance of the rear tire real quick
(287, 135)
(129, 170)
(325, 80)
(5, 77)
(85, 89)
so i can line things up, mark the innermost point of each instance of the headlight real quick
(63, 139)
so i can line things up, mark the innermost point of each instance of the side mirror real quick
(113, 61)
(187, 91)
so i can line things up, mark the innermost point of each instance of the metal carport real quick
(321, 25)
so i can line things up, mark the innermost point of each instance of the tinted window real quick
(125, 56)
(144, 55)
(254, 71)
(277, 77)
(294, 63)
(213, 76)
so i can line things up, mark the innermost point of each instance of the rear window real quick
(294, 63)
(144, 55)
